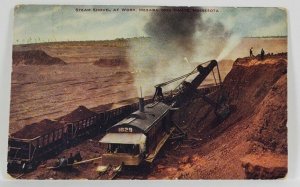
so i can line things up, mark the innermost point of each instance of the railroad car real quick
(26, 153)
(139, 136)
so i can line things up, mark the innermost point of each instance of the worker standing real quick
(251, 52)
(262, 54)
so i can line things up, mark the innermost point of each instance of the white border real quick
(293, 8)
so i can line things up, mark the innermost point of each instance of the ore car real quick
(139, 136)
(26, 153)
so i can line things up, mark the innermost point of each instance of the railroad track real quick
(18, 176)
(121, 176)
(133, 177)
(121, 173)
(110, 173)
(130, 174)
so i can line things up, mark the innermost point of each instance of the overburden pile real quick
(35, 57)
(251, 142)
(46, 126)
(37, 129)
(78, 114)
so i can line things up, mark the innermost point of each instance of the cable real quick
(214, 77)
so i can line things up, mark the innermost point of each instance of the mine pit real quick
(239, 147)
(80, 84)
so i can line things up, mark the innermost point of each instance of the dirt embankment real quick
(111, 62)
(249, 143)
(35, 57)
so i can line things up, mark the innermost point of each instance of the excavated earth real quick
(35, 57)
(36, 129)
(250, 144)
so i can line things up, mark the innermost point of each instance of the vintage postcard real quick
(141, 92)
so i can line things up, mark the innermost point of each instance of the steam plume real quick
(175, 36)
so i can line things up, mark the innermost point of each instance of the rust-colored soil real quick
(257, 125)
(250, 143)
(265, 165)
(257, 91)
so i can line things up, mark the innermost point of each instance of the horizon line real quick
(138, 37)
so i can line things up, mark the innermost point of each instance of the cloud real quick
(79, 19)
(63, 22)
(252, 21)
(24, 12)
(277, 29)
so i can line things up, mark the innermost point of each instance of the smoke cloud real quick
(174, 28)
(179, 39)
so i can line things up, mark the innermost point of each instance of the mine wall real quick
(252, 141)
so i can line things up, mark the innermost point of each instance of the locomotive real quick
(139, 136)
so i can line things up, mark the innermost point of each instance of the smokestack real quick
(141, 104)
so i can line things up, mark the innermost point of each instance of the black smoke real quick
(177, 29)
(174, 27)
(175, 35)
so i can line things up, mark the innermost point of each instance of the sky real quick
(42, 23)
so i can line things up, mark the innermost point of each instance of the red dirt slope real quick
(265, 166)
(257, 125)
